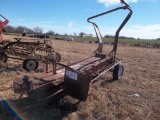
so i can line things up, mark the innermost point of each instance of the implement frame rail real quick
(75, 78)
(99, 36)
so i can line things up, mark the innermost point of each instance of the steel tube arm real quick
(118, 30)
(4, 17)
(123, 7)
(122, 25)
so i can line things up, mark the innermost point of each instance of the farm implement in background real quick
(146, 45)
(74, 79)
(30, 52)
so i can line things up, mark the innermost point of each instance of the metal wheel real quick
(30, 64)
(51, 56)
(118, 71)
(58, 57)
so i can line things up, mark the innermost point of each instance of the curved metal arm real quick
(99, 36)
(4, 17)
(123, 2)
(122, 25)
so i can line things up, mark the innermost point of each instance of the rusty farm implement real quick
(29, 52)
(74, 79)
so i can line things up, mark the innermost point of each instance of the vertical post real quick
(46, 64)
(54, 63)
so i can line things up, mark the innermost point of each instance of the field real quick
(93, 39)
(135, 97)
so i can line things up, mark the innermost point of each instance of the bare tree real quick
(9, 29)
(21, 29)
(50, 32)
(90, 35)
(56, 34)
(38, 30)
(158, 39)
(74, 34)
(30, 31)
(81, 34)
(109, 36)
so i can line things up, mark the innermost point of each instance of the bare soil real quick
(136, 96)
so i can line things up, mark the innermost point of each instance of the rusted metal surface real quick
(47, 92)
(76, 84)
(94, 67)
(74, 79)
(37, 50)
(22, 85)
(79, 66)
(28, 49)
(86, 70)
(99, 36)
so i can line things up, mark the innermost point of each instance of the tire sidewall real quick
(118, 71)
(26, 62)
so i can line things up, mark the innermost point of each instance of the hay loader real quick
(74, 79)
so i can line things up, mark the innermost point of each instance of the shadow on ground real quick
(34, 106)
(9, 68)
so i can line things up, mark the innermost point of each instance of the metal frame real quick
(29, 48)
(24, 50)
(99, 36)
(74, 79)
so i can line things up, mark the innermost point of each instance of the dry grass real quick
(136, 96)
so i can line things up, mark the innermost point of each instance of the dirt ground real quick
(135, 97)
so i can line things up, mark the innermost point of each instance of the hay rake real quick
(74, 79)
(30, 52)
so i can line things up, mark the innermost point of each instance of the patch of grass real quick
(135, 96)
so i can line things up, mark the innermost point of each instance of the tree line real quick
(39, 30)
(121, 37)
(24, 29)
(36, 30)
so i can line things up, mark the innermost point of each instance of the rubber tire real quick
(118, 71)
(25, 62)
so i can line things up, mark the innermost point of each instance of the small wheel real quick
(30, 64)
(3, 57)
(118, 71)
(51, 56)
(58, 57)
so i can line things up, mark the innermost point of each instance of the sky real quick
(70, 16)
